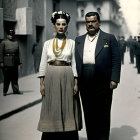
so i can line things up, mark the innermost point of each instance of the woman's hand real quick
(42, 86)
(75, 86)
(42, 89)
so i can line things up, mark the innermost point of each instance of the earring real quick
(54, 33)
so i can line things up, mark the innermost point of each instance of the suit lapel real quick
(80, 46)
(100, 43)
(99, 46)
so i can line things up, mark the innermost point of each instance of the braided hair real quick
(60, 14)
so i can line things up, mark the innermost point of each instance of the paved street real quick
(19, 114)
(126, 103)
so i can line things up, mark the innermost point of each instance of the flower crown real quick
(60, 12)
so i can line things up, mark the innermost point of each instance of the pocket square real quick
(105, 46)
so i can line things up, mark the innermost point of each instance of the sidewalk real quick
(125, 120)
(125, 115)
(13, 103)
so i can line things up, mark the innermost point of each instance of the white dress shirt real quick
(68, 55)
(89, 49)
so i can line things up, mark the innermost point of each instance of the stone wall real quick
(70, 6)
(1, 24)
(24, 21)
(9, 9)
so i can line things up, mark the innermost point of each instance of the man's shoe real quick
(4, 94)
(20, 93)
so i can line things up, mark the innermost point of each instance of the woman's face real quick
(61, 26)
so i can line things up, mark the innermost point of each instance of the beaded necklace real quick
(56, 50)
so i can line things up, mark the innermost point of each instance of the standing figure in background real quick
(36, 51)
(122, 44)
(137, 53)
(60, 116)
(98, 66)
(10, 60)
(135, 48)
(131, 46)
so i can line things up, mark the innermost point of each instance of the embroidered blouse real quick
(68, 55)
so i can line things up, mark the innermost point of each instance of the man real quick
(98, 65)
(9, 61)
(36, 51)
(131, 45)
(122, 44)
(137, 53)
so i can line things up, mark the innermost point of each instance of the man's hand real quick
(75, 89)
(75, 86)
(1, 64)
(20, 66)
(113, 85)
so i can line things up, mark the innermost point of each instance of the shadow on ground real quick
(27, 91)
(124, 132)
(24, 92)
(31, 104)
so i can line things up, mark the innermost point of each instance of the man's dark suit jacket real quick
(107, 58)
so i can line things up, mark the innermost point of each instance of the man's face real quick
(10, 37)
(92, 25)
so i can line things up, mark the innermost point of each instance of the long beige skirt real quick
(61, 109)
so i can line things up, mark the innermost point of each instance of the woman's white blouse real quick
(68, 55)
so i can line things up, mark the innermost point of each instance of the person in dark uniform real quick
(36, 51)
(131, 45)
(135, 46)
(137, 53)
(122, 44)
(9, 61)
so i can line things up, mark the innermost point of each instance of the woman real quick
(61, 111)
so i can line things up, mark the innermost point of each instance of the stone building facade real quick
(109, 14)
(31, 21)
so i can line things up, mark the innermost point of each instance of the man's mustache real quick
(91, 27)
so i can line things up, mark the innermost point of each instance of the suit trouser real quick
(96, 100)
(69, 135)
(138, 63)
(36, 62)
(122, 57)
(10, 75)
(132, 56)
